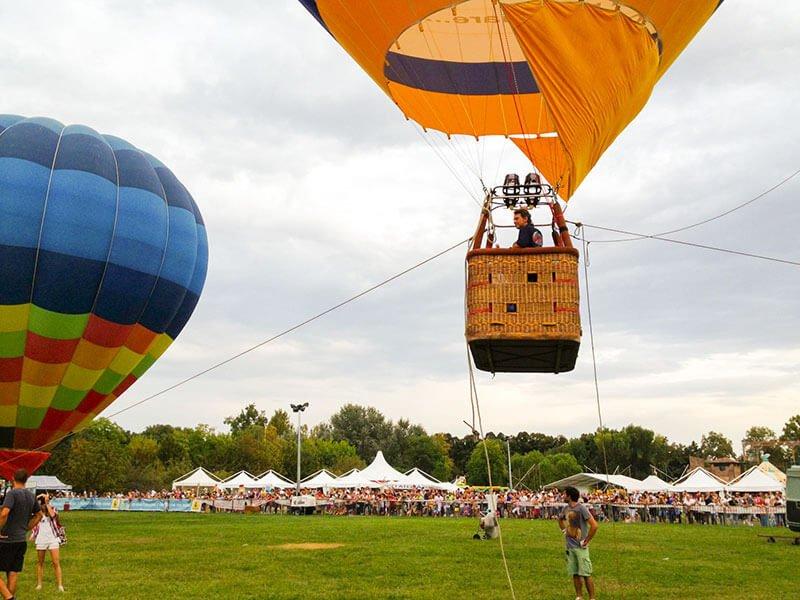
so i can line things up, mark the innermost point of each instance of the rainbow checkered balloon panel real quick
(103, 255)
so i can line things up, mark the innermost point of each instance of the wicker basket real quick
(524, 302)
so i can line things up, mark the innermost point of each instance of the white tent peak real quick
(381, 471)
(699, 480)
(654, 483)
(199, 478)
(322, 478)
(585, 481)
(273, 479)
(237, 480)
(756, 479)
(773, 471)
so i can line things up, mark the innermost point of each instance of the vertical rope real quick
(585, 244)
(474, 394)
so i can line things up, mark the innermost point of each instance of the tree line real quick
(105, 457)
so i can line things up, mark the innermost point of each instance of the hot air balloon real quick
(103, 256)
(559, 78)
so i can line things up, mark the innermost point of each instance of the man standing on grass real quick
(19, 514)
(578, 534)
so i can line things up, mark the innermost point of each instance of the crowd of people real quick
(711, 508)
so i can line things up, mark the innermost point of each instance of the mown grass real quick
(156, 555)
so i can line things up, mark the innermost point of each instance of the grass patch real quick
(152, 555)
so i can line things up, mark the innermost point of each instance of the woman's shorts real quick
(48, 546)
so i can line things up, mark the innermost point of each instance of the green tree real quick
(365, 428)
(525, 469)
(146, 471)
(557, 466)
(791, 430)
(476, 465)
(280, 421)
(460, 451)
(716, 445)
(99, 459)
(249, 417)
(397, 447)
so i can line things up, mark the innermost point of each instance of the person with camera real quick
(19, 514)
(47, 536)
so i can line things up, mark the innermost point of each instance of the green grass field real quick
(156, 555)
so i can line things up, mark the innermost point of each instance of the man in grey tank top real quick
(19, 514)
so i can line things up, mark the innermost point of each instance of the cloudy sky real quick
(313, 188)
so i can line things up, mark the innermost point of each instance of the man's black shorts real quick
(12, 556)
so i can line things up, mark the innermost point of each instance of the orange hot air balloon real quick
(561, 79)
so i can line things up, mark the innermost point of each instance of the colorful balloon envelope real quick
(562, 78)
(103, 256)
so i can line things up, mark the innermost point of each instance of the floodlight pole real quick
(298, 408)
(510, 480)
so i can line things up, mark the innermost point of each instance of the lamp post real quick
(298, 408)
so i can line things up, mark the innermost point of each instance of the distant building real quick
(726, 468)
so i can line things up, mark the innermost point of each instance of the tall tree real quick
(791, 430)
(716, 445)
(477, 473)
(280, 421)
(363, 427)
(249, 416)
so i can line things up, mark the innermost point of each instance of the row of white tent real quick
(760, 478)
(378, 474)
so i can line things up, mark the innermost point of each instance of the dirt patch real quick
(308, 546)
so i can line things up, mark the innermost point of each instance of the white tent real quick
(699, 480)
(240, 479)
(47, 482)
(653, 483)
(353, 479)
(320, 479)
(420, 479)
(273, 479)
(585, 481)
(755, 480)
(199, 478)
(383, 473)
(773, 471)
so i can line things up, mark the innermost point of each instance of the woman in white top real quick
(46, 539)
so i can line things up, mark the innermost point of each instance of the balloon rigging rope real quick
(602, 430)
(476, 411)
(254, 347)
(691, 244)
(704, 221)
(473, 396)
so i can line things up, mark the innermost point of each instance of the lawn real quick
(157, 555)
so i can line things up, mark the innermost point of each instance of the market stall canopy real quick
(240, 479)
(47, 482)
(199, 478)
(382, 472)
(273, 479)
(653, 483)
(353, 479)
(755, 480)
(699, 480)
(320, 479)
(420, 479)
(773, 471)
(585, 481)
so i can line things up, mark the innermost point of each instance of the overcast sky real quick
(313, 187)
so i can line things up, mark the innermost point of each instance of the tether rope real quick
(597, 394)
(250, 349)
(476, 402)
(704, 221)
(691, 244)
